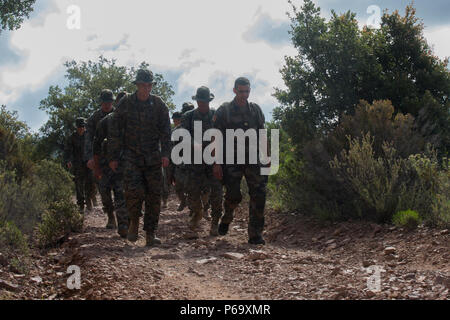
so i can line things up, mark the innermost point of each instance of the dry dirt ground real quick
(303, 259)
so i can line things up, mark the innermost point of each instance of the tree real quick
(13, 12)
(339, 64)
(80, 98)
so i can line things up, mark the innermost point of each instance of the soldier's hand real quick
(113, 165)
(165, 162)
(97, 173)
(69, 165)
(217, 171)
(91, 164)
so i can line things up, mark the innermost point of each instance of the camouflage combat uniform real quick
(200, 178)
(138, 130)
(110, 181)
(231, 116)
(74, 151)
(91, 128)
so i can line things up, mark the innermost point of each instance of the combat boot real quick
(111, 224)
(223, 228)
(195, 220)
(151, 240)
(257, 240)
(123, 231)
(133, 230)
(214, 231)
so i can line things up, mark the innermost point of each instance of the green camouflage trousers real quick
(164, 184)
(202, 183)
(112, 182)
(84, 183)
(180, 183)
(257, 191)
(143, 184)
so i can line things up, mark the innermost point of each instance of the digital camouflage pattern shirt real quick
(140, 128)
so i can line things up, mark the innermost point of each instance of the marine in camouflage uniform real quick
(241, 114)
(106, 101)
(180, 172)
(200, 177)
(140, 136)
(109, 181)
(74, 158)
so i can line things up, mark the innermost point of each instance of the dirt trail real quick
(302, 260)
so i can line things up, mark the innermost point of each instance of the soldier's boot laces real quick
(223, 228)
(111, 224)
(151, 240)
(133, 230)
(214, 231)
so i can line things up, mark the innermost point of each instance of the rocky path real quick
(302, 260)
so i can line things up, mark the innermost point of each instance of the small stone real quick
(167, 256)
(8, 285)
(370, 294)
(330, 241)
(233, 255)
(37, 279)
(444, 232)
(205, 261)
(409, 276)
(257, 255)
(367, 263)
(389, 250)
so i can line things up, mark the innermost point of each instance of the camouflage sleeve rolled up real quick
(164, 131)
(89, 138)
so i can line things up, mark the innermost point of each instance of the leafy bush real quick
(14, 246)
(57, 222)
(408, 219)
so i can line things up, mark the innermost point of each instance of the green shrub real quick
(57, 222)
(408, 219)
(13, 244)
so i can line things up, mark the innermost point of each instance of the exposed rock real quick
(389, 250)
(9, 286)
(205, 261)
(167, 256)
(233, 255)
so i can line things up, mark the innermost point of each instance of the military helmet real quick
(80, 122)
(187, 106)
(177, 115)
(203, 94)
(143, 76)
(106, 96)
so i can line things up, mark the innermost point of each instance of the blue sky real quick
(192, 43)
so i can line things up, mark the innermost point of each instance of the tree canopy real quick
(338, 64)
(13, 12)
(80, 98)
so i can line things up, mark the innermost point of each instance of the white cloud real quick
(204, 38)
(160, 32)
